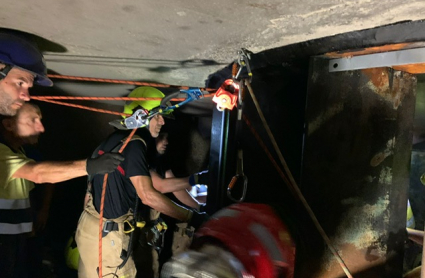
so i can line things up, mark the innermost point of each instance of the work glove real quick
(104, 163)
(199, 178)
(197, 219)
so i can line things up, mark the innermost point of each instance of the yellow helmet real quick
(146, 104)
(72, 256)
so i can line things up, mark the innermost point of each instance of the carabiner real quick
(243, 61)
(232, 183)
(191, 95)
(239, 173)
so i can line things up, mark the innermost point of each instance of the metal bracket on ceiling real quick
(376, 60)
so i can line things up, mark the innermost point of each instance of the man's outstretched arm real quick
(57, 171)
(183, 195)
(157, 201)
(169, 184)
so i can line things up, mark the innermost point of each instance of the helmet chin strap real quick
(4, 71)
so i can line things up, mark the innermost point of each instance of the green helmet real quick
(146, 104)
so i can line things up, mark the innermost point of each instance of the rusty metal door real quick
(355, 172)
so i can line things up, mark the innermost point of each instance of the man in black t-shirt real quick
(125, 185)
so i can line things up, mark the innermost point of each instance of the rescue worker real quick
(17, 174)
(21, 65)
(164, 180)
(178, 236)
(124, 188)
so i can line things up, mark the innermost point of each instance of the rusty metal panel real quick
(412, 68)
(380, 59)
(374, 49)
(355, 171)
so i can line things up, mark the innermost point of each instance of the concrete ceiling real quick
(181, 42)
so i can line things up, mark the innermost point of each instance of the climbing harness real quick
(155, 234)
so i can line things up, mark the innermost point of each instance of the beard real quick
(29, 140)
(6, 104)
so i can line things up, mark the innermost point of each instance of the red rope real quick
(102, 203)
(118, 81)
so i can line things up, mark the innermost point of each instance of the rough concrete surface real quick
(182, 42)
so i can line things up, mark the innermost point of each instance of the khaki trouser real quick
(182, 238)
(87, 238)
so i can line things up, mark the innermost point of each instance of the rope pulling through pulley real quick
(226, 97)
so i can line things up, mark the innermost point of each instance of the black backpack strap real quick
(125, 255)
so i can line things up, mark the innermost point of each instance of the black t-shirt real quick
(120, 193)
(160, 164)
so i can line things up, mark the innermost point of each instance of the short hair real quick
(33, 105)
(162, 136)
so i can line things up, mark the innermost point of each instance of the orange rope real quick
(109, 98)
(101, 98)
(102, 203)
(118, 81)
(86, 108)
(50, 99)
